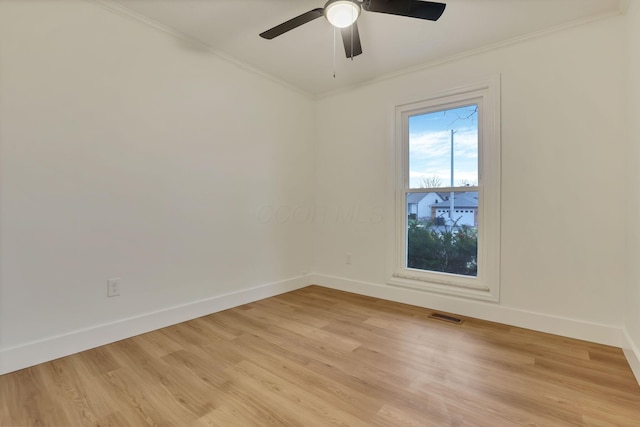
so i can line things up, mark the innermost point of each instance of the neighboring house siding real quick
(424, 206)
(419, 204)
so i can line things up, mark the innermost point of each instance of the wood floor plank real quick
(321, 357)
(326, 388)
(70, 378)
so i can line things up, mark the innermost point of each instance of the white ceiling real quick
(304, 57)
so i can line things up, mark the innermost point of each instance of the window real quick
(447, 226)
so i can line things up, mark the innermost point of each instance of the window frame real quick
(486, 285)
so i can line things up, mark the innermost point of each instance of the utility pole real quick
(451, 194)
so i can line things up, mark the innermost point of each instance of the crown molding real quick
(623, 6)
(621, 10)
(123, 11)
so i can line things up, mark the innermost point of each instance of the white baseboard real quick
(33, 353)
(572, 328)
(632, 353)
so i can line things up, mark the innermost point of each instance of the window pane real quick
(443, 148)
(442, 232)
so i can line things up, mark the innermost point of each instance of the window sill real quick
(445, 287)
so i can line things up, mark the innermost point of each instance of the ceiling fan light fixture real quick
(342, 13)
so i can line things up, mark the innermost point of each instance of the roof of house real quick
(460, 201)
(415, 197)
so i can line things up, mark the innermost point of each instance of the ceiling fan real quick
(344, 13)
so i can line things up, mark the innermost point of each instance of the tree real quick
(431, 182)
(473, 115)
(446, 249)
(466, 183)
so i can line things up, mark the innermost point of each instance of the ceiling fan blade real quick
(351, 42)
(411, 8)
(292, 23)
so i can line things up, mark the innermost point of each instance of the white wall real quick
(563, 141)
(632, 297)
(126, 152)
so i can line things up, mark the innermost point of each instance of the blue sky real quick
(430, 146)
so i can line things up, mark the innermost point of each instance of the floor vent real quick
(446, 318)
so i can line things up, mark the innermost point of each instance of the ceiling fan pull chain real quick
(352, 36)
(334, 52)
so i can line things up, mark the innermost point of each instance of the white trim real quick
(632, 353)
(121, 10)
(485, 93)
(620, 10)
(563, 326)
(33, 353)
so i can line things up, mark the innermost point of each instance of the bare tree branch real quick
(431, 182)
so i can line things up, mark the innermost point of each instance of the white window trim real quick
(486, 286)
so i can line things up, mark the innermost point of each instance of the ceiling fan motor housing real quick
(342, 13)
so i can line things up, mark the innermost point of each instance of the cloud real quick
(430, 155)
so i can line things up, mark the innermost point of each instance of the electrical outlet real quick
(347, 258)
(113, 287)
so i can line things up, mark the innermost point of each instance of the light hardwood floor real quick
(320, 357)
